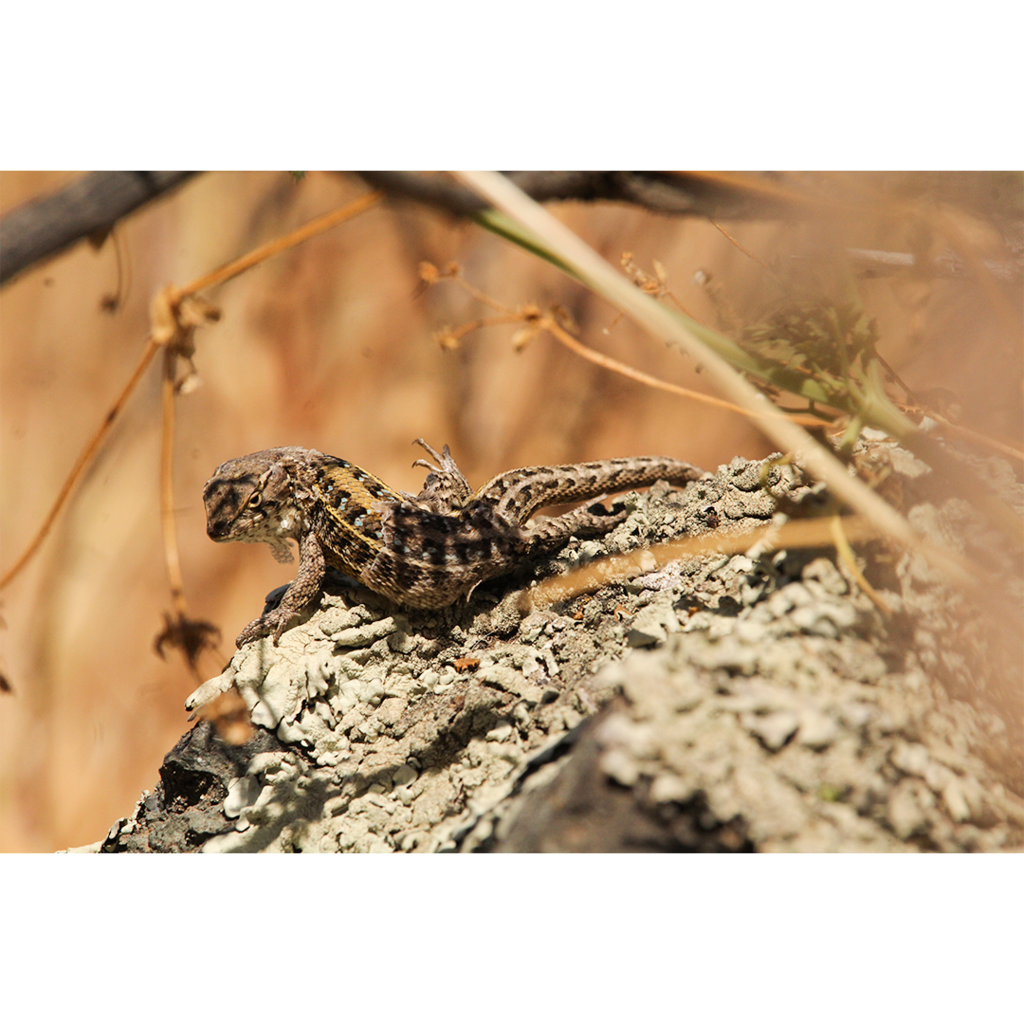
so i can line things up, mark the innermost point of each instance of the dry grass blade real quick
(571, 251)
(804, 533)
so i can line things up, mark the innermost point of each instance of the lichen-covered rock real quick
(753, 701)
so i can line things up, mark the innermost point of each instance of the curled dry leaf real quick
(190, 636)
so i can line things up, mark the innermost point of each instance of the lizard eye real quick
(256, 499)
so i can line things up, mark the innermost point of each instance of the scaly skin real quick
(423, 551)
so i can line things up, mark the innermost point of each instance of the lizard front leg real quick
(306, 585)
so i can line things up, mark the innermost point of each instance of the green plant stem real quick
(596, 273)
(793, 381)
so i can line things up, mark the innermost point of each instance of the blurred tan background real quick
(330, 346)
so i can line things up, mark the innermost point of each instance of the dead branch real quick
(85, 208)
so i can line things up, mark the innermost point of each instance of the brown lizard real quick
(425, 550)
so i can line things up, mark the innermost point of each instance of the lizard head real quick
(252, 499)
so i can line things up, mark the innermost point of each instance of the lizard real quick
(421, 551)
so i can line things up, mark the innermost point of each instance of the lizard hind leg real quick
(547, 534)
(446, 489)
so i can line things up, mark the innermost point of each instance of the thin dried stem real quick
(86, 457)
(449, 337)
(973, 435)
(167, 336)
(314, 227)
(529, 315)
(849, 561)
(743, 249)
(615, 366)
(167, 517)
(479, 295)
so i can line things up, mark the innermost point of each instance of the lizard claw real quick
(432, 452)
(271, 623)
(251, 632)
(446, 489)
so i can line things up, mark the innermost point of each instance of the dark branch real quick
(86, 208)
(659, 191)
(91, 206)
(431, 189)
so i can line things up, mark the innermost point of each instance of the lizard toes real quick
(251, 632)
